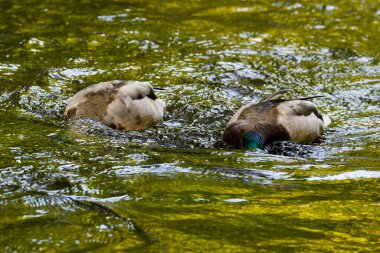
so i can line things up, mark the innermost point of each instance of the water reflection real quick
(80, 185)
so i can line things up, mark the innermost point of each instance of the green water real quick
(80, 186)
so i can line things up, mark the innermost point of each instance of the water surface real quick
(81, 186)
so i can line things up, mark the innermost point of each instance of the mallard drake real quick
(274, 119)
(123, 105)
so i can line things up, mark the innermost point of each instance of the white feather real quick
(302, 129)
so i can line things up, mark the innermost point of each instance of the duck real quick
(257, 125)
(123, 105)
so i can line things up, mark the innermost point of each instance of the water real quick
(81, 186)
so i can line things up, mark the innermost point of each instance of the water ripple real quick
(351, 175)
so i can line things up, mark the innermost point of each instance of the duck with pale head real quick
(123, 105)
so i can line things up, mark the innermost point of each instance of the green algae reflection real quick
(79, 186)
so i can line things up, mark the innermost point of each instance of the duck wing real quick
(301, 120)
(92, 101)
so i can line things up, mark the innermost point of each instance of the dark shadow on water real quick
(81, 224)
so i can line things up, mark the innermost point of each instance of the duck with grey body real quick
(123, 105)
(274, 119)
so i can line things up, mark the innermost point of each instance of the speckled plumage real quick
(274, 119)
(123, 105)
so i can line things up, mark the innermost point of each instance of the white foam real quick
(349, 175)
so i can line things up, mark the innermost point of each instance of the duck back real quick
(260, 118)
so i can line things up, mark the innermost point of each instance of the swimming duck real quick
(274, 119)
(123, 105)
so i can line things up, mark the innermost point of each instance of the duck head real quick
(253, 140)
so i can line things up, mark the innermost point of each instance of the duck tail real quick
(276, 95)
(307, 98)
(326, 120)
